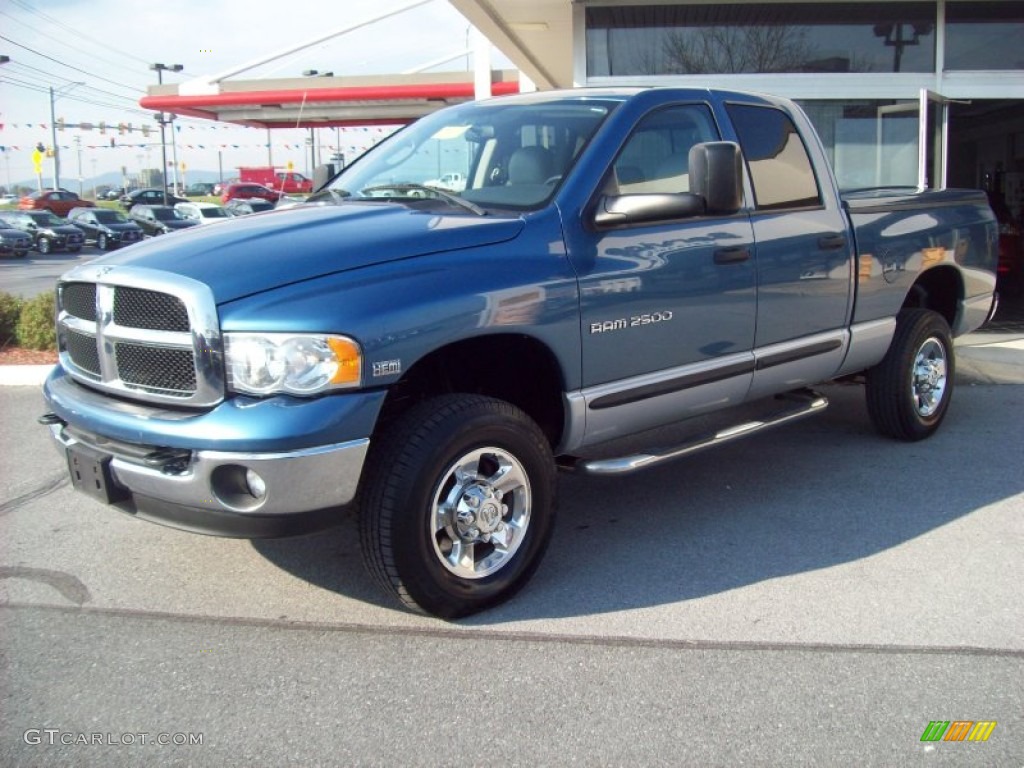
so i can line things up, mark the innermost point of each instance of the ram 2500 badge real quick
(617, 260)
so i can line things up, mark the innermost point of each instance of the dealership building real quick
(902, 93)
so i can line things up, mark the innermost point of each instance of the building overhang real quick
(322, 101)
(536, 35)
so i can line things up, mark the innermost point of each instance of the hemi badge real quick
(387, 368)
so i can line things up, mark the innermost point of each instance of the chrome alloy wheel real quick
(480, 513)
(929, 376)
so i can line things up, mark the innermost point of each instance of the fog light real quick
(255, 484)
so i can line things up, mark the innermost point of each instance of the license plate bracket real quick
(90, 474)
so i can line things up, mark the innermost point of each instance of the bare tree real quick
(733, 50)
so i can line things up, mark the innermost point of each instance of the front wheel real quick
(45, 246)
(102, 243)
(458, 504)
(908, 393)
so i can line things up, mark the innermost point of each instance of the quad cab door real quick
(668, 306)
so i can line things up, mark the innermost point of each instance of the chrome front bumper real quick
(210, 489)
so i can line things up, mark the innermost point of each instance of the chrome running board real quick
(805, 403)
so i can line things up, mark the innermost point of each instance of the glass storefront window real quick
(870, 143)
(984, 36)
(761, 38)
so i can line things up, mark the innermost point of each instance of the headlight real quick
(296, 364)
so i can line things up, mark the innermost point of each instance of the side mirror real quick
(322, 174)
(716, 174)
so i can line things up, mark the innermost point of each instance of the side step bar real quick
(804, 403)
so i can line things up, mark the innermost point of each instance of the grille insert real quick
(82, 349)
(79, 299)
(170, 371)
(139, 308)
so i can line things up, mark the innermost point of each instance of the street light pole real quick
(159, 69)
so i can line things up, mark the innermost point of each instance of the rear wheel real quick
(458, 504)
(908, 393)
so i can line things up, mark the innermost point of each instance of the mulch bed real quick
(22, 356)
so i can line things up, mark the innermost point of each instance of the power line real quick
(63, 42)
(13, 64)
(105, 45)
(77, 69)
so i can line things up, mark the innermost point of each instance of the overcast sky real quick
(109, 44)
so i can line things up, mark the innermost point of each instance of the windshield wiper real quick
(448, 197)
(334, 195)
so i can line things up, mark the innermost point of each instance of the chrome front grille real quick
(142, 334)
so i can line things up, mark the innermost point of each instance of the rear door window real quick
(780, 168)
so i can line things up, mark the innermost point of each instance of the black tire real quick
(412, 539)
(909, 392)
(44, 245)
(101, 242)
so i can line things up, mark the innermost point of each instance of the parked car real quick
(240, 207)
(56, 201)
(13, 241)
(159, 219)
(107, 228)
(280, 181)
(199, 189)
(243, 191)
(8, 199)
(48, 232)
(202, 213)
(220, 186)
(148, 197)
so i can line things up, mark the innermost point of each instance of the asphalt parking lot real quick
(813, 596)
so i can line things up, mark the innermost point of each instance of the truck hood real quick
(261, 251)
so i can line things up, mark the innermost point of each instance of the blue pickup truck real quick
(619, 259)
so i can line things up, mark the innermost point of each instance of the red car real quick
(56, 201)
(247, 191)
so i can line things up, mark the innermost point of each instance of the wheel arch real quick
(940, 289)
(517, 368)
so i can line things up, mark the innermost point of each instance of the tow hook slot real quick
(49, 419)
(170, 461)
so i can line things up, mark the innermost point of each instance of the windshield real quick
(45, 219)
(501, 154)
(213, 213)
(166, 214)
(110, 217)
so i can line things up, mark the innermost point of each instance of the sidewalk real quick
(981, 358)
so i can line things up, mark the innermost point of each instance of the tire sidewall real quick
(102, 242)
(44, 245)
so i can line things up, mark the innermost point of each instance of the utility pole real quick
(54, 95)
(159, 69)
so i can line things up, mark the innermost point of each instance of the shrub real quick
(36, 323)
(10, 309)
